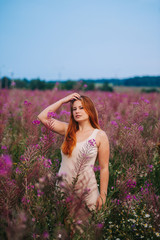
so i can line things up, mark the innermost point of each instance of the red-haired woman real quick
(84, 142)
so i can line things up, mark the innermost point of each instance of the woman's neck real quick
(85, 126)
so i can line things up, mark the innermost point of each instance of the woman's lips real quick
(78, 115)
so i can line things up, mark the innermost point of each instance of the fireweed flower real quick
(18, 170)
(127, 127)
(3, 147)
(128, 197)
(146, 114)
(100, 225)
(39, 193)
(114, 123)
(36, 122)
(150, 167)
(131, 183)
(51, 114)
(64, 112)
(47, 163)
(27, 103)
(46, 235)
(140, 128)
(146, 100)
(69, 199)
(85, 86)
(13, 84)
(135, 103)
(5, 164)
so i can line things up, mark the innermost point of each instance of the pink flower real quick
(18, 170)
(128, 197)
(27, 103)
(51, 114)
(5, 164)
(114, 123)
(47, 163)
(135, 103)
(36, 122)
(100, 225)
(13, 84)
(140, 128)
(3, 147)
(46, 235)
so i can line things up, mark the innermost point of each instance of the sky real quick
(79, 39)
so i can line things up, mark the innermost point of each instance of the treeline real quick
(82, 84)
(62, 85)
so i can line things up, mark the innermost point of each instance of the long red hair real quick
(70, 138)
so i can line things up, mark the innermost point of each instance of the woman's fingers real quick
(73, 96)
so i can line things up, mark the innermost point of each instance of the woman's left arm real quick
(103, 157)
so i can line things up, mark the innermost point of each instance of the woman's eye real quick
(81, 107)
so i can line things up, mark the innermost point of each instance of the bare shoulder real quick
(101, 138)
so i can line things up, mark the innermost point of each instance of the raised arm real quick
(52, 123)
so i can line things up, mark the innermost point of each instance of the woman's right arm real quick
(54, 124)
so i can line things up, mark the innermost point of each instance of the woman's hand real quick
(72, 96)
(100, 200)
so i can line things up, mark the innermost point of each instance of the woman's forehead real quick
(77, 103)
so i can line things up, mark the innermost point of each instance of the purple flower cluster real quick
(5, 164)
(27, 103)
(92, 142)
(114, 123)
(64, 112)
(39, 193)
(140, 128)
(36, 122)
(131, 184)
(30, 187)
(47, 163)
(150, 167)
(130, 197)
(96, 168)
(100, 225)
(25, 200)
(13, 84)
(51, 114)
(4, 147)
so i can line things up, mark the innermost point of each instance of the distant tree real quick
(37, 84)
(20, 83)
(89, 86)
(50, 85)
(106, 87)
(68, 85)
(6, 82)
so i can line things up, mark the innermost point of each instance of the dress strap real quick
(95, 133)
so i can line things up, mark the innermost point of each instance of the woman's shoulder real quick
(101, 136)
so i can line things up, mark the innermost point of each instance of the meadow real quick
(32, 205)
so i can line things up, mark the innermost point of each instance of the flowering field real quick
(31, 204)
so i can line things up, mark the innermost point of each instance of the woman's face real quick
(79, 113)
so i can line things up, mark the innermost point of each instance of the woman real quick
(84, 142)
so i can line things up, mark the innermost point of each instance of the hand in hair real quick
(71, 97)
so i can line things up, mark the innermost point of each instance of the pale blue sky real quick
(73, 39)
